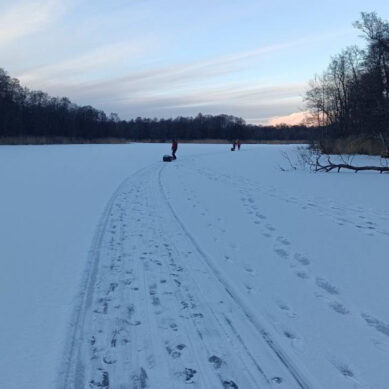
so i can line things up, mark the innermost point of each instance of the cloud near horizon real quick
(291, 119)
(207, 86)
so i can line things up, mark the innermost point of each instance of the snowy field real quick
(215, 271)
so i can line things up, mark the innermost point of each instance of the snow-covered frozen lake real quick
(215, 271)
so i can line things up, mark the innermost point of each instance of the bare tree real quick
(352, 96)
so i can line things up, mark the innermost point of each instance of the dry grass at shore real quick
(353, 145)
(223, 141)
(43, 140)
(65, 140)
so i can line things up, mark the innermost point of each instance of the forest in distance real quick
(26, 114)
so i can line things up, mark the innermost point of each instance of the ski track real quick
(157, 311)
(67, 373)
(144, 319)
(296, 373)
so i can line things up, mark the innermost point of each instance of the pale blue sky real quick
(250, 58)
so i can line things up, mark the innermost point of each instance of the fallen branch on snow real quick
(332, 166)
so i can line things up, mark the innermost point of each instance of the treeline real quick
(26, 114)
(210, 127)
(350, 100)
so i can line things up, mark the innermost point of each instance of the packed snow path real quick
(191, 281)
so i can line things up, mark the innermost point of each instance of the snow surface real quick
(215, 271)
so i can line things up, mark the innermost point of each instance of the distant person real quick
(233, 145)
(238, 143)
(174, 148)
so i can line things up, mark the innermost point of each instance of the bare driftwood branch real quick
(287, 158)
(331, 166)
(385, 154)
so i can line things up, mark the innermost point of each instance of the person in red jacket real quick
(239, 143)
(174, 149)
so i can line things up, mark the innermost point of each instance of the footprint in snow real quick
(104, 382)
(283, 241)
(324, 284)
(173, 353)
(189, 375)
(296, 342)
(112, 287)
(339, 307)
(108, 360)
(277, 380)
(249, 288)
(103, 306)
(286, 308)
(302, 259)
(289, 335)
(344, 369)
(302, 274)
(216, 361)
(379, 325)
(197, 315)
(230, 385)
(249, 270)
(139, 379)
(127, 282)
(281, 253)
